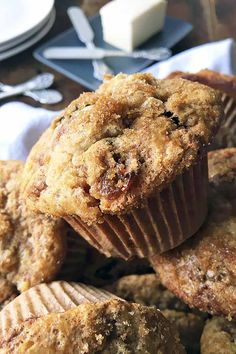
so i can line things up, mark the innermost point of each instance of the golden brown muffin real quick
(202, 271)
(147, 290)
(214, 79)
(32, 245)
(113, 326)
(111, 150)
(219, 336)
(43, 299)
(226, 136)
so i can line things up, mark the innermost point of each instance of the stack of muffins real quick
(116, 185)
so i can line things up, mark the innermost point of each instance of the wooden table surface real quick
(212, 20)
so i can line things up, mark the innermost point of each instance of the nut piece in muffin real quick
(112, 150)
(219, 336)
(147, 290)
(114, 327)
(226, 84)
(32, 245)
(202, 271)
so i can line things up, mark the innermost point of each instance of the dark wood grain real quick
(216, 23)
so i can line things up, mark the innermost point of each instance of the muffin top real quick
(226, 84)
(111, 149)
(214, 79)
(32, 245)
(113, 326)
(202, 271)
(146, 289)
(219, 336)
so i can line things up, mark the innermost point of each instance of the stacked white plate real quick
(23, 23)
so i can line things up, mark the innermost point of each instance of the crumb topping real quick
(111, 149)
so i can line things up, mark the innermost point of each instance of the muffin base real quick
(42, 299)
(226, 136)
(167, 219)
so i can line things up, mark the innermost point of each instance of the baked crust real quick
(32, 245)
(147, 289)
(202, 271)
(219, 337)
(226, 84)
(111, 149)
(113, 326)
(214, 79)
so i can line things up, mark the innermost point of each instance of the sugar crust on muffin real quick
(202, 270)
(32, 245)
(113, 326)
(111, 149)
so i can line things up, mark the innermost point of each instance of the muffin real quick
(121, 164)
(42, 299)
(32, 245)
(147, 290)
(219, 337)
(104, 326)
(202, 271)
(226, 84)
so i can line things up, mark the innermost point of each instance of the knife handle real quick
(81, 24)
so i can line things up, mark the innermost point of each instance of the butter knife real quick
(156, 54)
(86, 35)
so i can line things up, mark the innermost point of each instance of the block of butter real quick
(128, 23)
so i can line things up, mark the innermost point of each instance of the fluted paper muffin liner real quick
(85, 264)
(166, 220)
(226, 136)
(58, 296)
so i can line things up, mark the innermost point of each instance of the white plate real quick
(20, 39)
(18, 17)
(30, 41)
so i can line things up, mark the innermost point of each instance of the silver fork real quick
(86, 35)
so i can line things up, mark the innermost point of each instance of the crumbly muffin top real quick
(214, 79)
(226, 84)
(146, 289)
(202, 271)
(113, 326)
(219, 336)
(111, 149)
(32, 245)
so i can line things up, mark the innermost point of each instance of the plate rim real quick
(22, 33)
(22, 38)
(30, 41)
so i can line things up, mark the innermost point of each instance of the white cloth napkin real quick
(21, 125)
(219, 56)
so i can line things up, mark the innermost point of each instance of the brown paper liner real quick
(226, 136)
(85, 264)
(58, 296)
(167, 220)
